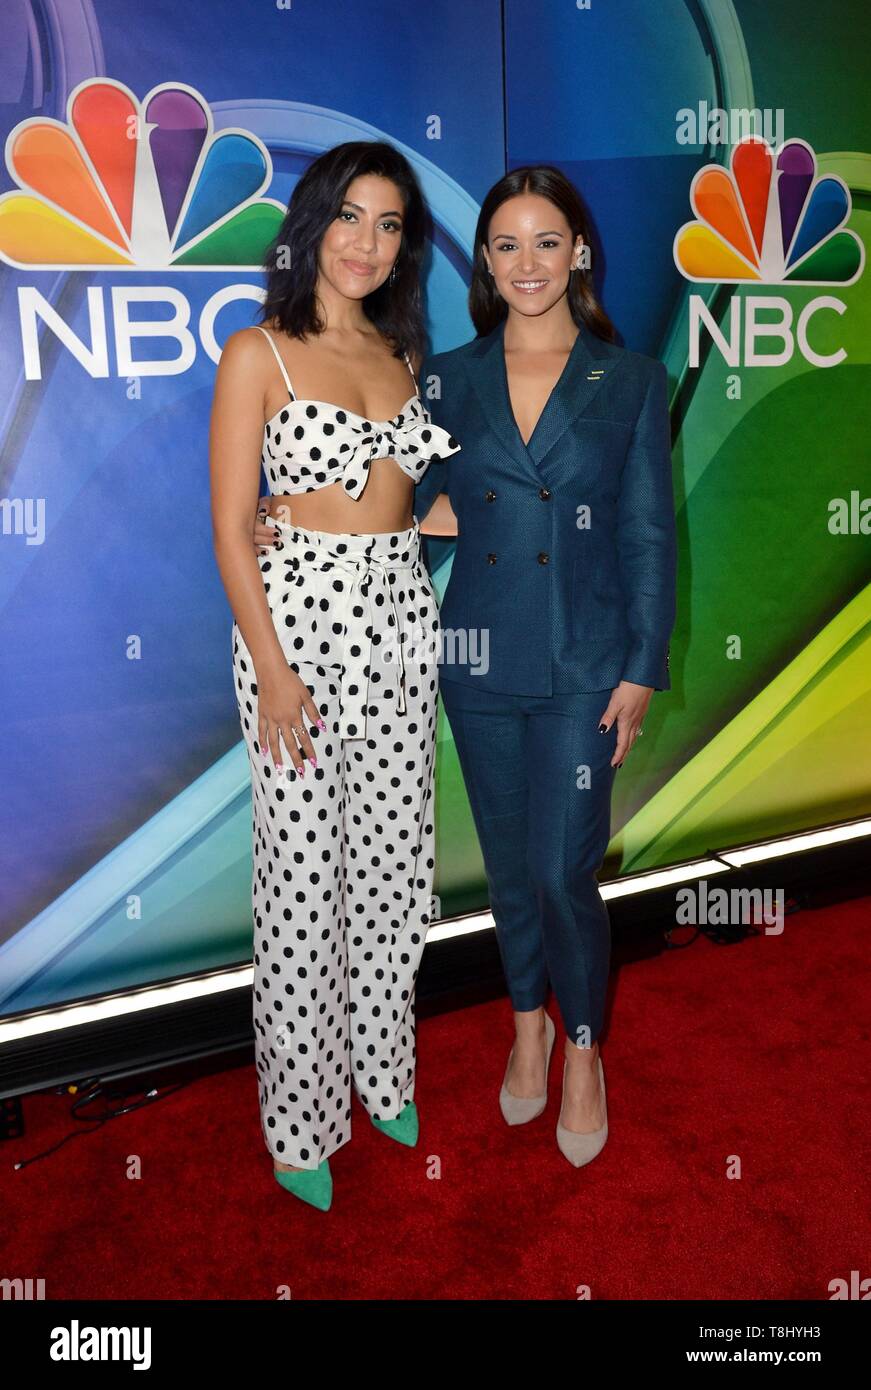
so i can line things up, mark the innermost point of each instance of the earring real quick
(392, 273)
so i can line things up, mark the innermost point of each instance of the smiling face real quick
(360, 245)
(531, 252)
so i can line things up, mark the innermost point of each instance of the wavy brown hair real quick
(395, 309)
(486, 305)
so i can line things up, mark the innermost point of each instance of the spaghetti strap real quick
(413, 377)
(269, 339)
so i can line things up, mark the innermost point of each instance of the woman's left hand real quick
(628, 705)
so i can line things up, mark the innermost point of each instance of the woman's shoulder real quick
(442, 362)
(640, 363)
(244, 349)
(248, 341)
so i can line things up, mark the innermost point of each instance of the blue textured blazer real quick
(566, 549)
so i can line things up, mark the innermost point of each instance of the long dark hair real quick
(486, 305)
(291, 263)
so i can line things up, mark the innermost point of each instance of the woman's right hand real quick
(284, 704)
(266, 533)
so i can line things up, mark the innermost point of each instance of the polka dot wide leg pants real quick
(343, 858)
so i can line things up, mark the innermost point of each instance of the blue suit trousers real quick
(539, 778)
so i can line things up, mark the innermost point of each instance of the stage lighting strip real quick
(241, 977)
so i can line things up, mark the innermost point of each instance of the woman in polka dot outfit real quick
(335, 646)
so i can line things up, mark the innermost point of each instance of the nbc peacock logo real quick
(130, 185)
(769, 220)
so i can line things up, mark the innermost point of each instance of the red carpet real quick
(757, 1051)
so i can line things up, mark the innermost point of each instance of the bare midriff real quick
(385, 504)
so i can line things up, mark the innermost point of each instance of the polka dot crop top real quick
(310, 444)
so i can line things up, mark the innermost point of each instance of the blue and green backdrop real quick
(144, 170)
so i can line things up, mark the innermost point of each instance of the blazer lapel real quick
(589, 363)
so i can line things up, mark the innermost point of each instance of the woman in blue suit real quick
(558, 612)
(557, 615)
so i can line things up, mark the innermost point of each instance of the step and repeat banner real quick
(724, 150)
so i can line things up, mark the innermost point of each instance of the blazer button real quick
(490, 496)
(543, 557)
(491, 559)
(543, 493)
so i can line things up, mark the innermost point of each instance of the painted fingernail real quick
(313, 761)
(321, 724)
(301, 769)
(619, 764)
(603, 728)
(264, 753)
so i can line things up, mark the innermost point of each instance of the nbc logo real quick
(145, 186)
(767, 220)
(131, 185)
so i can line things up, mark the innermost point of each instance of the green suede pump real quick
(312, 1185)
(404, 1129)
